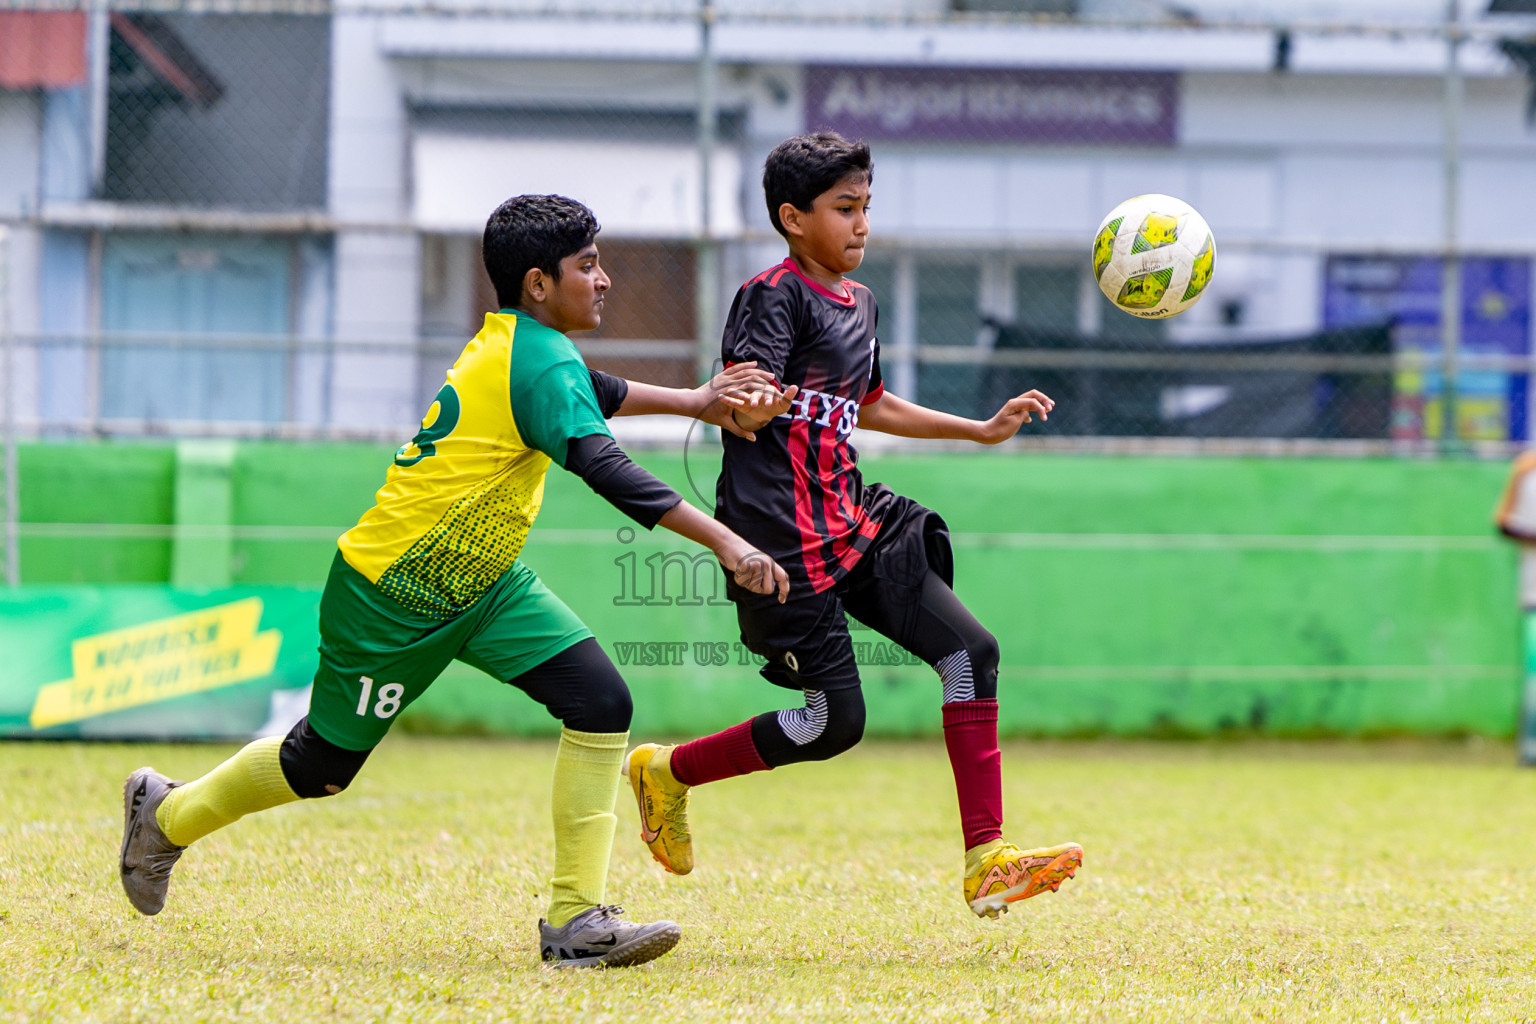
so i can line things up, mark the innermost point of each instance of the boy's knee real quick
(313, 766)
(845, 734)
(831, 722)
(581, 688)
(985, 657)
(971, 672)
(607, 709)
(845, 724)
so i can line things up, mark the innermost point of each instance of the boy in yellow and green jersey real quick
(431, 574)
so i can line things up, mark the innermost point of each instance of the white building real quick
(182, 183)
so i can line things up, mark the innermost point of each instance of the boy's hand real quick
(755, 570)
(1015, 413)
(730, 389)
(761, 405)
(736, 381)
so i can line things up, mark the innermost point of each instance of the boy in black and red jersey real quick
(878, 556)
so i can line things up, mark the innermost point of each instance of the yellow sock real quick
(252, 780)
(586, 787)
(977, 855)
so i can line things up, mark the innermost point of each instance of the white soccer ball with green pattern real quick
(1153, 256)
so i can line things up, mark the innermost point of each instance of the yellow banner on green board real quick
(148, 661)
(159, 660)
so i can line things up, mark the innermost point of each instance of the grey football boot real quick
(147, 856)
(601, 938)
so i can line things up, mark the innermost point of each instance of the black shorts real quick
(806, 639)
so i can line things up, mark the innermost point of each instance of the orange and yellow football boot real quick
(999, 873)
(663, 806)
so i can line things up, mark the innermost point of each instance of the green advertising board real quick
(155, 662)
(1129, 596)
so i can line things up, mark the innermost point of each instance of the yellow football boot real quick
(999, 873)
(663, 807)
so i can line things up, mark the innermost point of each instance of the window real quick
(1045, 296)
(647, 332)
(191, 119)
(650, 310)
(164, 302)
(948, 313)
(1006, 301)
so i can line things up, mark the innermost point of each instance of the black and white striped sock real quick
(803, 725)
(955, 673)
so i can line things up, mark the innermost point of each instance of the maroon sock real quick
(970, 736)
(721, 756)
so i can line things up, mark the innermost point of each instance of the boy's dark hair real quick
(802, 168)
(532, 231)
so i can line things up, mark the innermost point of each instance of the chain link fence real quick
(242, 219)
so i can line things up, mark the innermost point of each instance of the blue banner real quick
(1495, 320)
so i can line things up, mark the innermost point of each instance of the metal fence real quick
(260, 219)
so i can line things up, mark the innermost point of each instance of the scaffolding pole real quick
(11, 509)
(707, 264)
(1450, 264)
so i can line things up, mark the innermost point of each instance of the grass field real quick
(1222, 881)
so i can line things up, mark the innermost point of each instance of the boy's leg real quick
(580, 687)
(945, 635)
(163, 817)
(933, 624)
(807, 646)
(375, 659)
(252, 780)
(530, 638)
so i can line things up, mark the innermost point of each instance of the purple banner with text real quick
(994, 104)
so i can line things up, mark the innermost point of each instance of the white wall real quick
(20, 121)
(377, 270)
(21, 250)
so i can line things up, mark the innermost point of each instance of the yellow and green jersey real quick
(457, 503)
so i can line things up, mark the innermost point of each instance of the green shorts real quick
(376, 656)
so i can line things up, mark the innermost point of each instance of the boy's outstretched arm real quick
(752, 569)
(892, 415)
(711, 401)
(604, 467)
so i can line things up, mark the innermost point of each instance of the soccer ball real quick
(1153, 256)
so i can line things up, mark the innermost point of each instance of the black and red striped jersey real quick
(796, 493)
